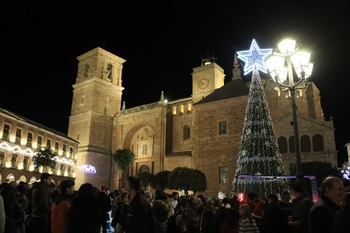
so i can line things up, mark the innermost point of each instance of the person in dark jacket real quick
(302, 203)
(13, 211)
(105, 203)
(119, 217)
(140, 218)
(275, 217)
(41, 207)
(84, 213)
(322, 213)
(342, 217)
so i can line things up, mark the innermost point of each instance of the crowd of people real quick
(47, 208)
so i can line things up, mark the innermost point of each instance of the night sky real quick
(161, 43)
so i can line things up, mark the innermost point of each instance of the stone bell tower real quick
(206, 78)
(97, 95)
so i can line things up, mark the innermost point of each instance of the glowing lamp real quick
(280, 65)
(300, 61)
(278, 70)
(287, 46)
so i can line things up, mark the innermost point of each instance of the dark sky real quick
(161, 43)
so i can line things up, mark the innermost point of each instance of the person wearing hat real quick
(302, 204)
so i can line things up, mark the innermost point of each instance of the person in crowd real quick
(116, 198)
(40, 203)
(342, 217)
(302, 204)
(191, 215)
(84, 213)
(202, 202)
(175, 199)
(247, 223)
(322, 213)
(228, 219)
(54, 191)
(252, 200)
(13, 184)
(140, 218)
(259, 215)
(286, 204)
(13, 211)
(60, 207)
(2, 215)
(162, 210)
(274, 216)
(21, 193)
(119, 216)
(105, 203)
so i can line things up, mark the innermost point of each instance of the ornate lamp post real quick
(283, 64)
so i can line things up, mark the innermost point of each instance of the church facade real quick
(202, 131)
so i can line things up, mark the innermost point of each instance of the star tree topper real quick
(254, 57)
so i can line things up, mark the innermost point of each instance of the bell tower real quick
(206, 79)
(97, 95)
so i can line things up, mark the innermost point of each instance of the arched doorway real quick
(144, 168)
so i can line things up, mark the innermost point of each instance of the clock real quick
(203, 83)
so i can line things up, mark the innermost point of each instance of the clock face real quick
(203, 83)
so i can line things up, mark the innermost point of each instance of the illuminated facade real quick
(202, 131)
(19, 140)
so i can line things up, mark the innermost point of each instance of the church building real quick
(201, 131)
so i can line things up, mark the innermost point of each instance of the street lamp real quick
(280, 65)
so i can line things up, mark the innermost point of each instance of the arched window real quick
(282, 144)
(144, 168)
(186, 132)
(291, 144)
(317, 142)
(305, 143)
(109, 71)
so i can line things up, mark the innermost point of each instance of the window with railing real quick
(2, 159)
(18, 135)
(62, 169)
(71, 153)
(64, 149)
(6, 132)
(56, 146)
(14, 161)
(26, 163)
(29, 139)
(40, 141)
(48, 143)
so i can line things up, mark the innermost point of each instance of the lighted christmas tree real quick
(258, 156)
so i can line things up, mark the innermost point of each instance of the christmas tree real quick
(259, 160)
